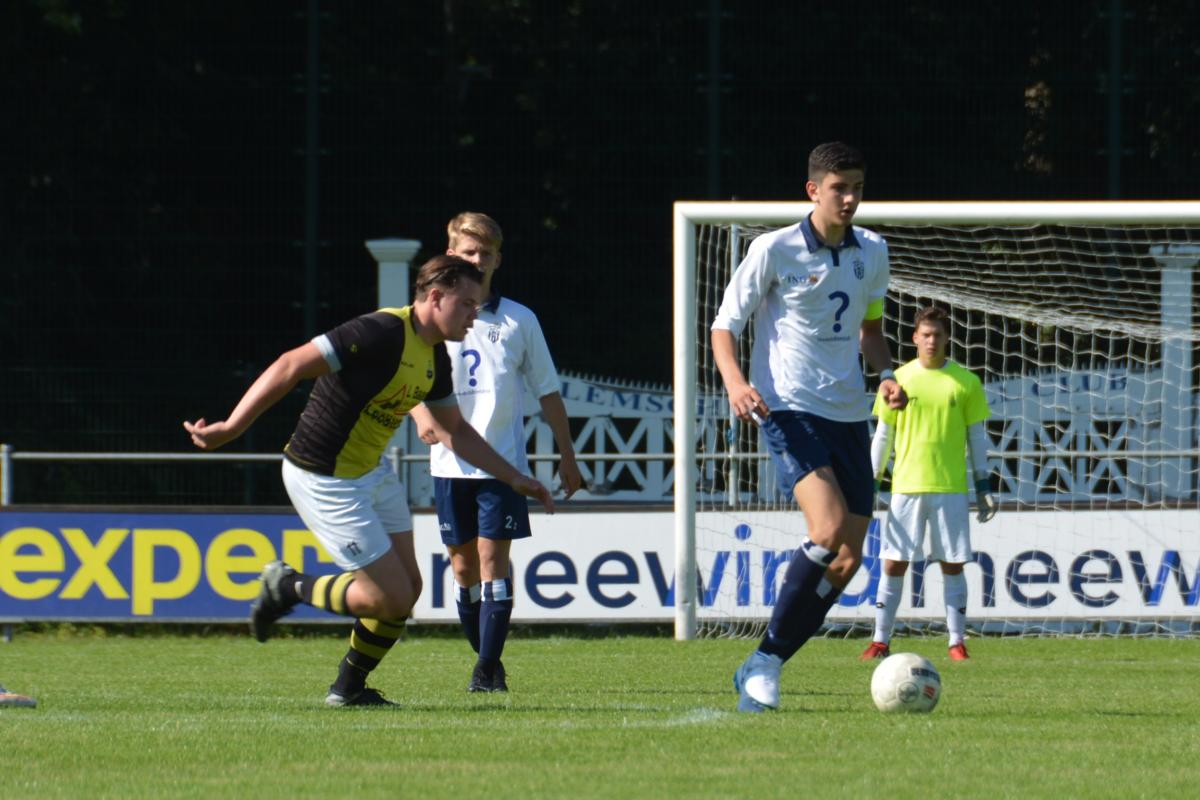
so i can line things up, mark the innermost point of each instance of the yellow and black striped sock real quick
(327, 592)
(370, 641)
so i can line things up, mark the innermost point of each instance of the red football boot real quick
(875, 650)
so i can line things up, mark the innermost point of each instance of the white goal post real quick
(1082, 319)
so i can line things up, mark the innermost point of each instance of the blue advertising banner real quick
(593, 566)
(141, 566)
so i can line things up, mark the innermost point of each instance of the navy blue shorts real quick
(801, 443)
(470, 507)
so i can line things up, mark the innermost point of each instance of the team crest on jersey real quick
(859, 268)
(493, 333)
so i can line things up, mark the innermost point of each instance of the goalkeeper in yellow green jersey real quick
(932, 435)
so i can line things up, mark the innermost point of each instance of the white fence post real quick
(1178, 262)
(6, 463)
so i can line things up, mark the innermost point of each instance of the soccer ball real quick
(906, 682)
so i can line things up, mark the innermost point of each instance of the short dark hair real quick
(932, 316)
(445, 272)
(833, 157)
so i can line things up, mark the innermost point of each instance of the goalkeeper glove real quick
(985, 500)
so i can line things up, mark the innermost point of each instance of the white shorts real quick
(351, 517)
(948, 519)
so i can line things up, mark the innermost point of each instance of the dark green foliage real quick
(153, 194)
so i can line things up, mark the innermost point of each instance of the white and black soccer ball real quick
(906, 682)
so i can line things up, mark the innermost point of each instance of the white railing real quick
(9, 455)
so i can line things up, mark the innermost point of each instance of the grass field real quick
(616, 716)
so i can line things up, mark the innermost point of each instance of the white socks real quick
(956, 607)
(887, 603)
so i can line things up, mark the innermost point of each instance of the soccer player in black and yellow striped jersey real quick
(369, 373)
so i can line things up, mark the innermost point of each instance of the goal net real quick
(1081, 320)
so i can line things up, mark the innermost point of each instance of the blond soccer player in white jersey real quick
(503, 356)
(815, 292)
(944, 420)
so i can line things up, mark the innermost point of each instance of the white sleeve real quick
(881, 447)
(328, 352)
(745, 291)
(977, 447)
(538, 366)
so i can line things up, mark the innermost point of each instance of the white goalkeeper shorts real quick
(945, 516)
(352, 518)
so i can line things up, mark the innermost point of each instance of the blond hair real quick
(477, 225)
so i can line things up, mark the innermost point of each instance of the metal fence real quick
(401, 462)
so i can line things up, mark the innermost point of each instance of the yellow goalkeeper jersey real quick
(931, 432)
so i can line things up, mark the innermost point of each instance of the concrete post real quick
(394, 257)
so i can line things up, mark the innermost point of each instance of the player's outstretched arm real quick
(466, 443)
(555, 414)
(302, 363)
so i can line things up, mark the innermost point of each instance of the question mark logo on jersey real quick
(475, 358)
(837, 315)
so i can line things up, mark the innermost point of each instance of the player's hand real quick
(985, 500)
(569, 476)
(427, 434)
(893, 394)
(209, 437)
(748, 404)
(532, 488)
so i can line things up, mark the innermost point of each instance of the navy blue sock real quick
(494, 614)
(826, 598)
(804, 600)
(468, 612)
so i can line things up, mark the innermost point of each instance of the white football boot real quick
(757, 682)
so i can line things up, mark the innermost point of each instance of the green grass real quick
(622, 716)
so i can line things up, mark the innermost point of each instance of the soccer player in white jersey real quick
(815, 291)
(943, 420)
(503, 356)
